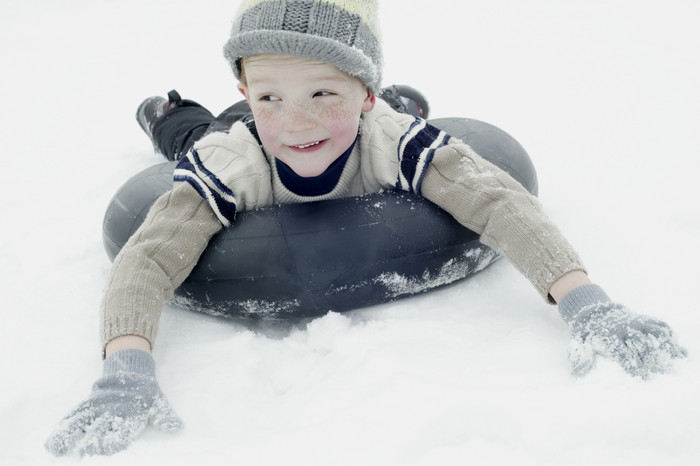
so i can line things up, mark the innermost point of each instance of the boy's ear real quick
(243, 90)
(369, 102)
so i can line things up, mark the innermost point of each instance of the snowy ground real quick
(603, 95)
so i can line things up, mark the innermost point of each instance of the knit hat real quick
(343, 33)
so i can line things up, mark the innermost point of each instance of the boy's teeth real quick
(304, 146)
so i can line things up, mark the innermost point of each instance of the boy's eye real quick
(269, 98)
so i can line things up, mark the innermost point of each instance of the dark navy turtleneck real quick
(313, 185)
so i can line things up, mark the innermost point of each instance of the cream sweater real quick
(229, 172)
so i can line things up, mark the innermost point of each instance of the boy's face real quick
(307, 113)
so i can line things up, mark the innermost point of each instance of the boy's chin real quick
(308, 171)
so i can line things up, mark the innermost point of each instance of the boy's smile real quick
(310, 147)
(307, 113)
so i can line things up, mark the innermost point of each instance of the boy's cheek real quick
(336, 114)
(260, 113)
(264, 122)
(346, 131)
(341, 117)
(346, 125)
(267, 138)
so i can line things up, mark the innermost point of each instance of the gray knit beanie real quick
(343, 33)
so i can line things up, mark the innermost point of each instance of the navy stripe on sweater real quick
(191, 170)
(416, 149)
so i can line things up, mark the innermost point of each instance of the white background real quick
(604, 96)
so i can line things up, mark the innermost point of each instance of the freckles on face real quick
(341, 118)
(295, 116)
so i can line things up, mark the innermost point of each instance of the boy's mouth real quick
(309, 146)
(304, 146)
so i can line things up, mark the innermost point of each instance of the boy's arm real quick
(487, 200)
(156, 260)
(162, 253)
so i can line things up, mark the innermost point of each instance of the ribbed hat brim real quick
(351, 60)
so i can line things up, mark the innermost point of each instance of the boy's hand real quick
(641, 345)
(122, 403)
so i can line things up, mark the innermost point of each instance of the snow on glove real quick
(121, 404)
(640, 344)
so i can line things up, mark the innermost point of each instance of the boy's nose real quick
(299, 117)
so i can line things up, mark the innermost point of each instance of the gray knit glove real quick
(122, 403)
(641, 345)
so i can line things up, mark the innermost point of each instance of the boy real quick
(310, 72)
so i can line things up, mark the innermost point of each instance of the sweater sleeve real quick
(490, 202)
(228, 170)
(155, 261)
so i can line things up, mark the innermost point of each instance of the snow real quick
(604, 97)
(473, 260)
